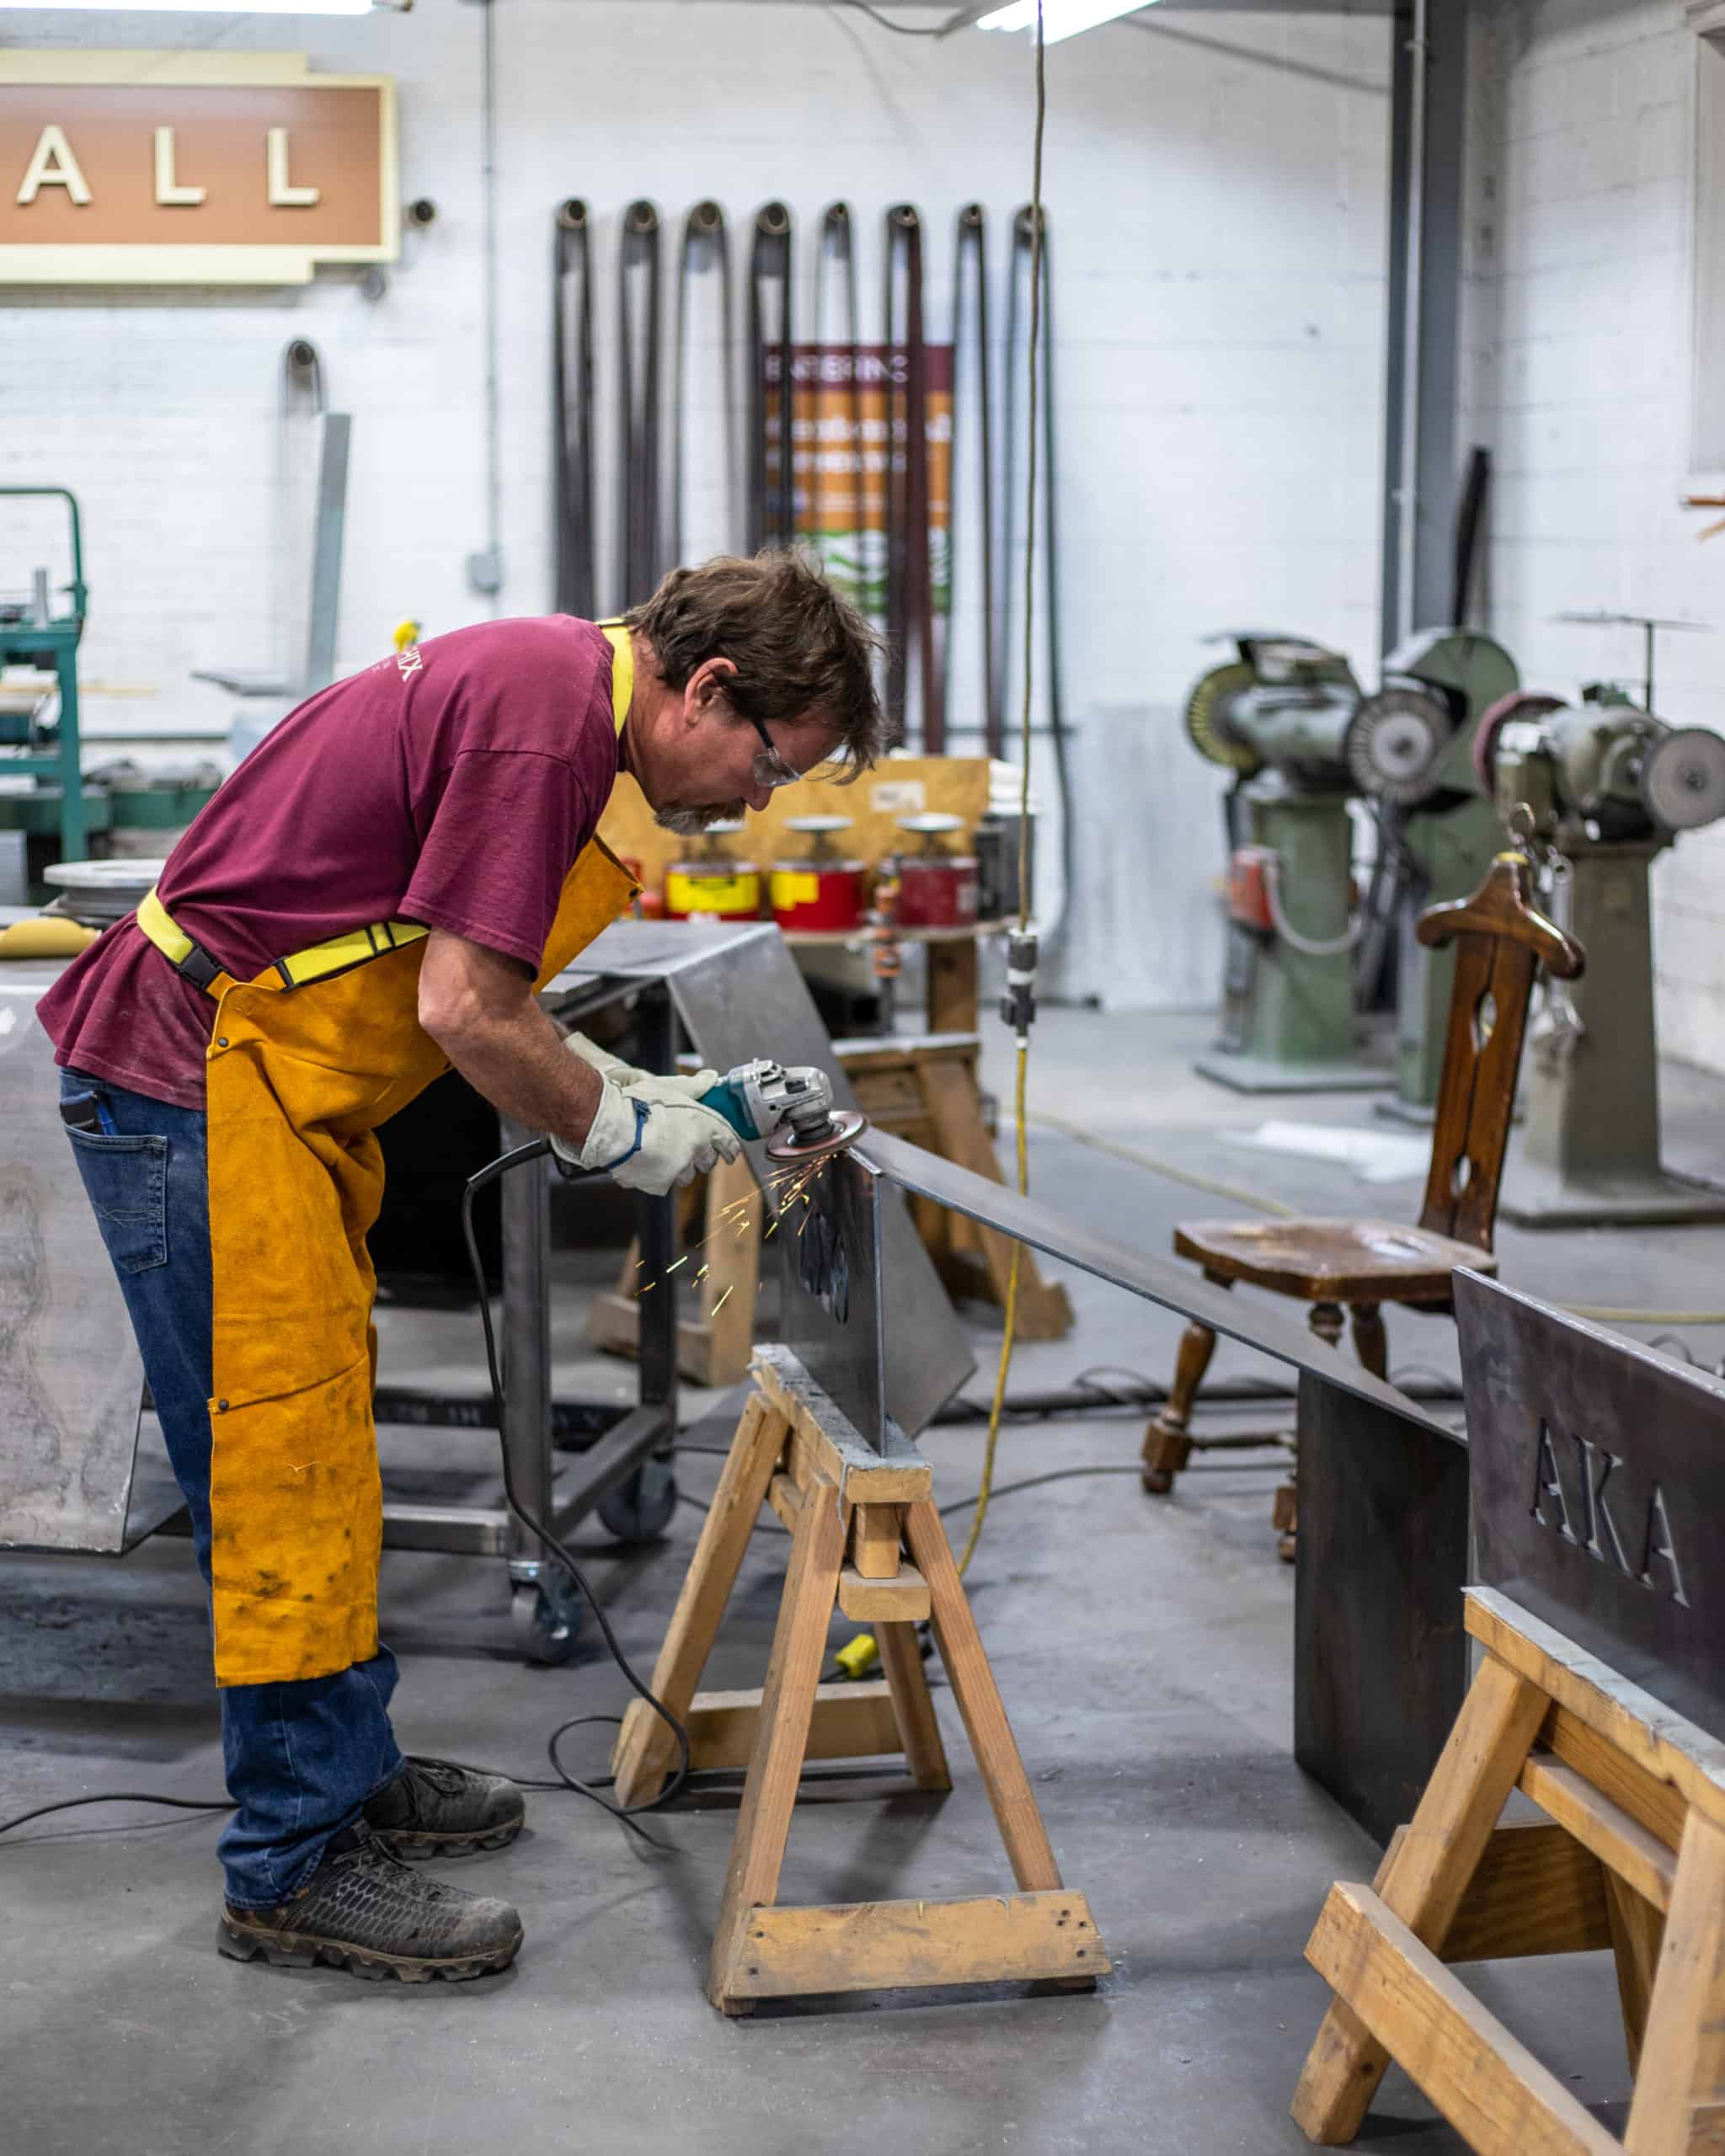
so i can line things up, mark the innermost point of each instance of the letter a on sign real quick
(53, 165)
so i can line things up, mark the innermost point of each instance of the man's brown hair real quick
(798, 646)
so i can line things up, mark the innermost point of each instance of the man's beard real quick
(689, 823)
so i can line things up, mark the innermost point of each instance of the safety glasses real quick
(771, 768)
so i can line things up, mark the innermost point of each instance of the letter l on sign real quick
(283, 194)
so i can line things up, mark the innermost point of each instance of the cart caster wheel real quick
(639, 1509)
(1157, 1481)
(546, 1617)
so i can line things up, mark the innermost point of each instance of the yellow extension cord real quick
(1021, 1084)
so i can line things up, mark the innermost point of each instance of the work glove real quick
(653, 1134)
(625, 1074)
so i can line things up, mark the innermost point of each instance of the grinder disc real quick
(847, 1125)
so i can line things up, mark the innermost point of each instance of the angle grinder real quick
(793, 1110)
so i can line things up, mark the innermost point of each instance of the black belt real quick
(971, 359)
(641, 562)
(706, 251)
(572, 416)
(772, 496)
(910, 616)
(835, 276)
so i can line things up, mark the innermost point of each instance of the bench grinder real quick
(1607, 787)
(1277, 716)
(1410, 754)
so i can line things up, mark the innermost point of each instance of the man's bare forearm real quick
(480, 1009)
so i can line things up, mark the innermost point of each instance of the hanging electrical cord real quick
(522, 1156)
(1028, 265)
(1020, 1002)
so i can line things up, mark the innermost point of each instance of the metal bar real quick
(326, 552)
(415, 1408)
(615, 1457)
(526, 1338)
(460, 1530)
(1179, 1288)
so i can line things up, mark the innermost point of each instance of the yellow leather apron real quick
(304, 1064)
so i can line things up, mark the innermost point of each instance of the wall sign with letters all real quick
(1597, 1474)
(191, 168)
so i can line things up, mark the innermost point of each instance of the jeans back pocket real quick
(125, 1180)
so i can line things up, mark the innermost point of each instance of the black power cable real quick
(520, 1157)
(625, 1812)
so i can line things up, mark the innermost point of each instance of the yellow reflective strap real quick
(154, 919)
(623, 670)
(317, 962)
(353, 949)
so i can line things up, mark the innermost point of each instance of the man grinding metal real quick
(374, 895)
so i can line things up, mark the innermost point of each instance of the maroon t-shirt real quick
(452, 783)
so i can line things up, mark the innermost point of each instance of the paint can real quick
(822, 890)
(712, 885)
(937, 888)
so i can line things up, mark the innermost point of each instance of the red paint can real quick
(936, 890)
(821, 891)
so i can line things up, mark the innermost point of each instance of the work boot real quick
(435, 1808)
(365, 1911)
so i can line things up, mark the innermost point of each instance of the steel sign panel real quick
(1598, 1473)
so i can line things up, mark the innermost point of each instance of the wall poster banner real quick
(849, 428)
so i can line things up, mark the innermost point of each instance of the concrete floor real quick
(1142, 1647)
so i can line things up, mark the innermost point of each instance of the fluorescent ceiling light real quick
(1059, 18)
(208, 6)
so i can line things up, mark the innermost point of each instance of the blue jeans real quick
(301, 1758)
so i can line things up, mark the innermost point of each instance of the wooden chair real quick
(1353, 1268)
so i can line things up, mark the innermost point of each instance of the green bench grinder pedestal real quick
(1277, 716)
(1607, 787)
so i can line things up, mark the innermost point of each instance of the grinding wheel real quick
(845, 1128)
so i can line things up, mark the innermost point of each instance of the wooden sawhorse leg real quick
(850, 1511)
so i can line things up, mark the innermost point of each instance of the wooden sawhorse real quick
(850, 1512)
(1634, 1861)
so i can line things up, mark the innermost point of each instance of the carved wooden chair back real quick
(1502, 941)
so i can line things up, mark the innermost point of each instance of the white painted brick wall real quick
(1578, 375)
(1219, 241)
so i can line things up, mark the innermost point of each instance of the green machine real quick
(1410, 754)
(1604, 788)
(66, 813)
(1289, 718)
(1277, 716)
(33, 634)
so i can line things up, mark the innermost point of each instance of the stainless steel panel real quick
(738, 994)
(70, 1380)
(1176, 1287)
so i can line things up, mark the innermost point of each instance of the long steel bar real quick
(1178, 1288)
